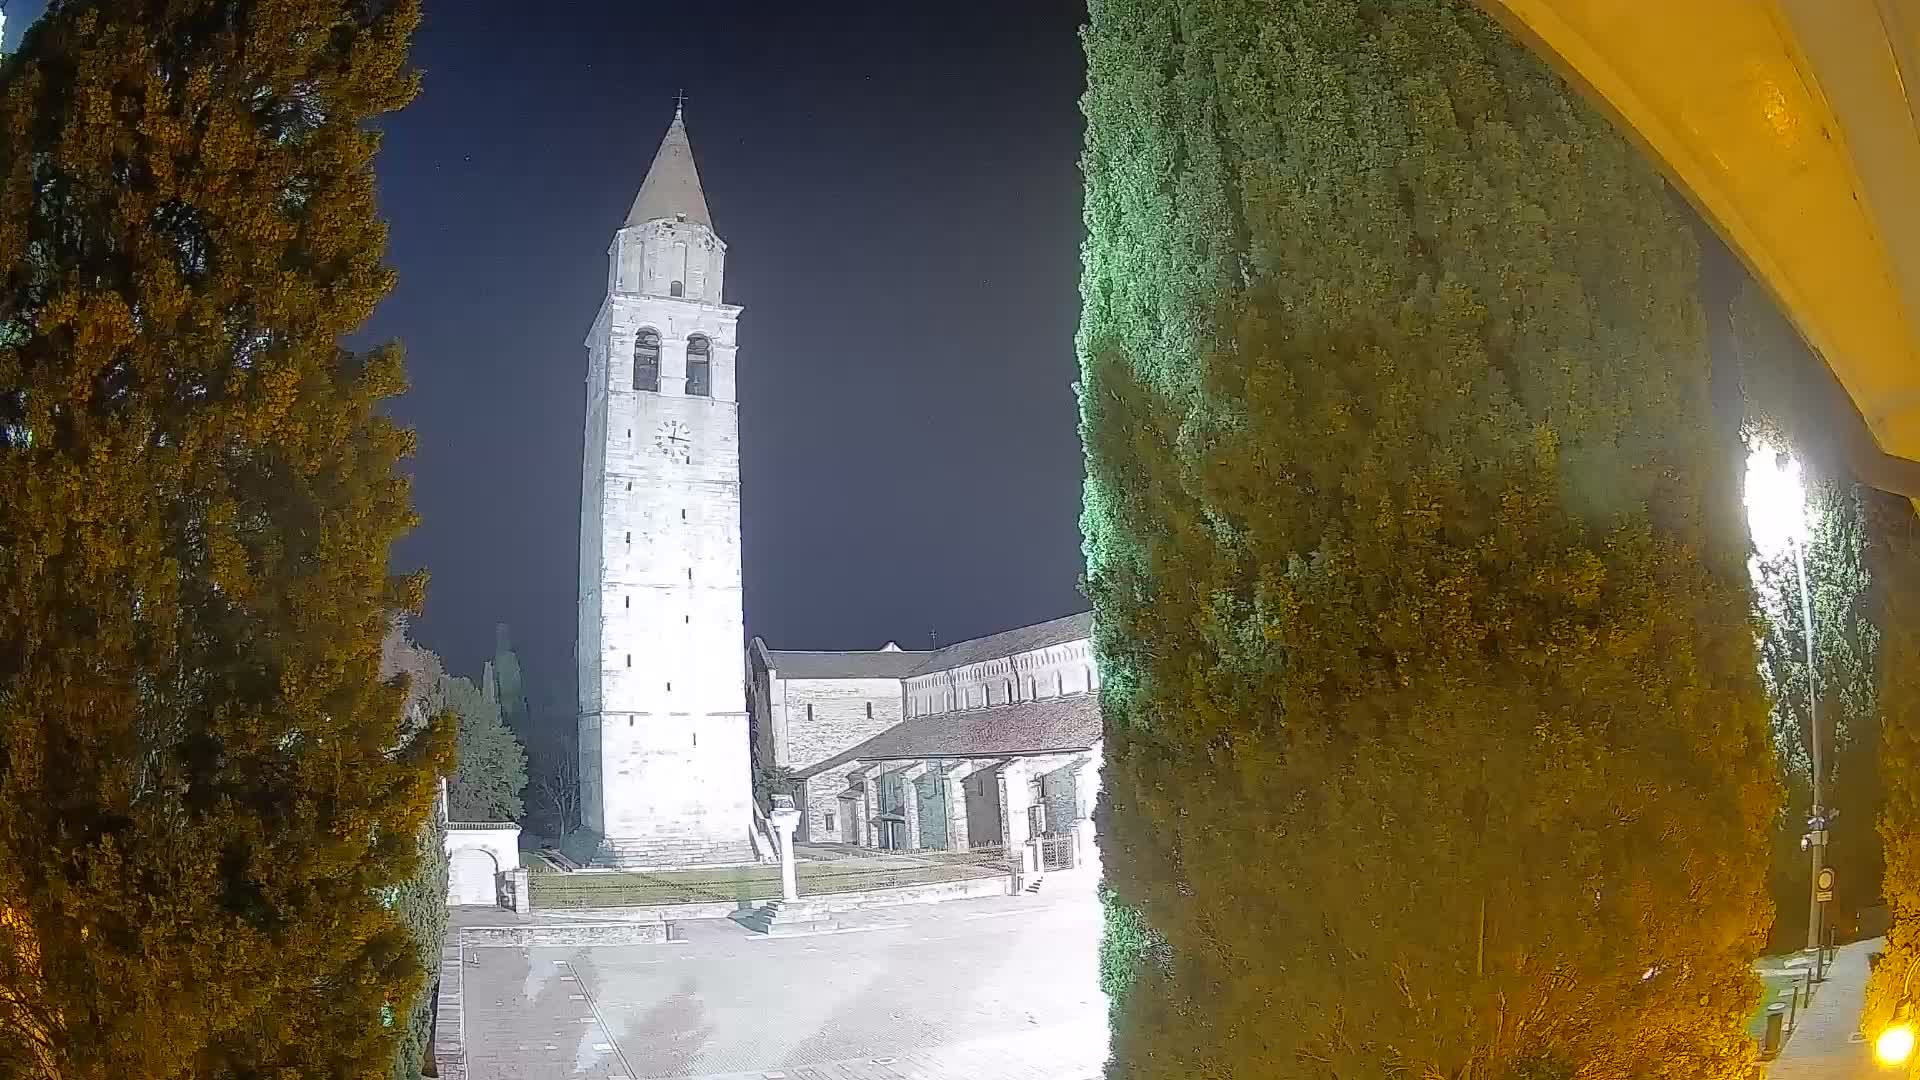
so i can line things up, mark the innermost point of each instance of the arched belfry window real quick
(677, 289)
(699, 367)
(646, 360)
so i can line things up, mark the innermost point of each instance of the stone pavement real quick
(1827, 1044)
(1003, 987)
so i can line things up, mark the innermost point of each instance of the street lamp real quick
(1816, 839)
(1895, 1044)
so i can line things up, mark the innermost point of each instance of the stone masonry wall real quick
(818, 718)
(1066, 668)
(823, 795)
(827, 716)
(667, 778)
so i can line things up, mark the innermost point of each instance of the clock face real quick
(675, 441)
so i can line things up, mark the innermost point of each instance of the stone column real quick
(870, 800)
(910, 802)
(953, 786)
(785, 818)
(910, 809)
(1014, 800)
(522, 890)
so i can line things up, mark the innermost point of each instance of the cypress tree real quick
(1893, 534)
(1435, 740)
(206, 789)
(420, 902)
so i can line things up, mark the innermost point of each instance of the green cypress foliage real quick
(421, 900)
(421, 903)
(1436, 744)
(205, 790)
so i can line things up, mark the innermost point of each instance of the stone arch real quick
(473, 876)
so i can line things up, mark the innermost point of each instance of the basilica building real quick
(685, 731)
(989, 743)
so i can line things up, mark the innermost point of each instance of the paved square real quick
(1005, 987)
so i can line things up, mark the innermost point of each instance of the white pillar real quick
(785, 818)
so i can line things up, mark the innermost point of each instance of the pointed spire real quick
(672, 187)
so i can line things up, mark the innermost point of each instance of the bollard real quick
(1776, 1019)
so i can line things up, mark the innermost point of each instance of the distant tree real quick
(510, 687)
(1845, 641)
(1779, 374)
(556, 782)
(1436, 745)
(205, 786)
(491, 776)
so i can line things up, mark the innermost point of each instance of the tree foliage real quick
(1780, 377)
(492, 773)
(1845, 641)
(509, 683)
(1436, 744)
(421, 900)
(205, 787)
(1894, 555)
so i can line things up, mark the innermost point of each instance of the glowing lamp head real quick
(1895, 1045)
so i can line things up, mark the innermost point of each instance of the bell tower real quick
(664, 769)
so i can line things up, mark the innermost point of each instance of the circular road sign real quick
(1825, 879)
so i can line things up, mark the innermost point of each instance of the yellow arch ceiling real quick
(1794, 126)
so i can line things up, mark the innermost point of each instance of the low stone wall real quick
(909, 894)
(650, 932)
(450, 1018)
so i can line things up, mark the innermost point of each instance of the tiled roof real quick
(1009, 643)
(876, 664)
(672, 185)
(896, 664)
(1049, 725)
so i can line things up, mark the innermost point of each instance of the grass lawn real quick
(1778, 989)
(740, 883)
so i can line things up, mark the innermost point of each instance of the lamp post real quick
(1816, 839)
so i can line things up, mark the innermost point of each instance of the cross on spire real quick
(679, 104)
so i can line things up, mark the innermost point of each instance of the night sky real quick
(900, 196)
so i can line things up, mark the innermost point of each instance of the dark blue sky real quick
(899, 190)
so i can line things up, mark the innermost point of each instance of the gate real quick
(1056, 852)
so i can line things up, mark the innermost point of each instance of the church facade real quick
(992, 743)
(666, 778)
